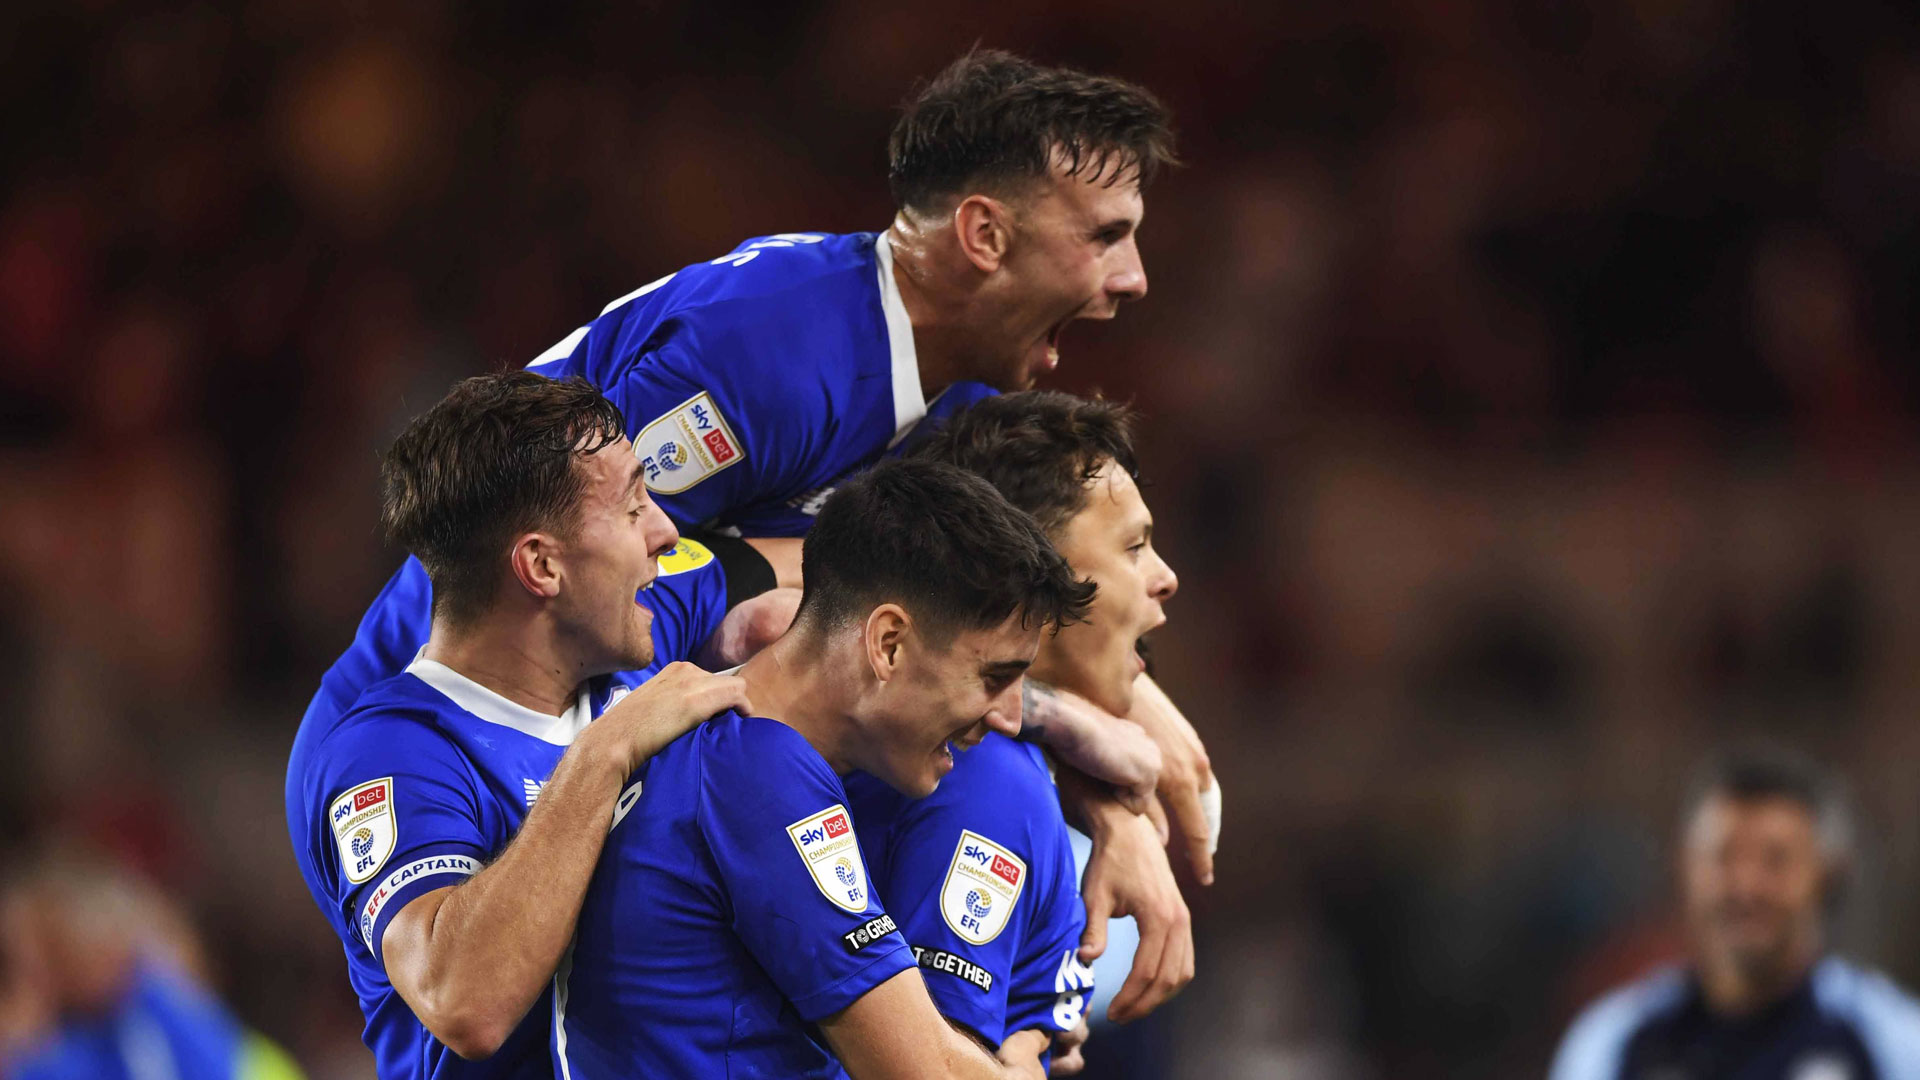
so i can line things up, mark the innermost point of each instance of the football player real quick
(731, 927)
(447, 822)
(980, 874)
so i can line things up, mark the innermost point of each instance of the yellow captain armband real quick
(686, 555)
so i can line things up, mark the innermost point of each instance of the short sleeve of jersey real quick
(961, 878)
(776, 822)
(400, 815)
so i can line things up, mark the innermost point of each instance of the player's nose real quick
(662, 534)
(1128, 281)
(1004, 717)
(1162, 582)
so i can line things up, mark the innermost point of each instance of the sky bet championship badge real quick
(826, 843)
(686, 446)
(363, 826)
(982, 885)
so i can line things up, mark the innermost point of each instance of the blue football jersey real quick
(752, 384)
(980, 877)
(413, 789)
(730, 912)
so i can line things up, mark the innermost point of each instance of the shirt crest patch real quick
(827, 845)
(365, 828)
(686, 446)
(982, 886)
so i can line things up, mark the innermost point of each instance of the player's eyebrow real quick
(633, 482)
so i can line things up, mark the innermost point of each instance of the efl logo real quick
(982, 888)
(1006, 871)
(369, 797)
(837, 825)
(718, 446)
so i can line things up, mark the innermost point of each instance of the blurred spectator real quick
(1765, 848)
(103, 980)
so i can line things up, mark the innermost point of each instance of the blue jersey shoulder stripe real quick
(1885, 1017)
(1597, 1041)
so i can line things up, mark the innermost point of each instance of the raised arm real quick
(469, 960)
(893, 1032)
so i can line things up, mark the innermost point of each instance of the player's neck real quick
(792, 682)
(936, 297)
(519, 663)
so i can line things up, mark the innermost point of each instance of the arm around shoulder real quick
(893, 1032)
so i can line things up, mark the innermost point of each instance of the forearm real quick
(748, 628)
(1087, 804)
(969, 1059)
(894, 1032)
(472, 965)
(1088, 738)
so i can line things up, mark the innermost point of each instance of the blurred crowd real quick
(1530, 396)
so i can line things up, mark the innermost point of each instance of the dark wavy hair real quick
(496, 458)
(1039, 448)
(992, 118)
(941, 543)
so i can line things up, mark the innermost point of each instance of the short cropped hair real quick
(1752, 773)
(941, 543)
(495, 459)
(992, 118)
(1039, 448)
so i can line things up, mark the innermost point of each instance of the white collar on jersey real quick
(909, 398)
(494, 709)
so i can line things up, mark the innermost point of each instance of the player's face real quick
(949, 694)
(1752, 874)
(1073, 256)
(1110, 542)
(612, 555)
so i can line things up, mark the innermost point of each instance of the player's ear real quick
(536, 564)
(984, 226)
(886, 636)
